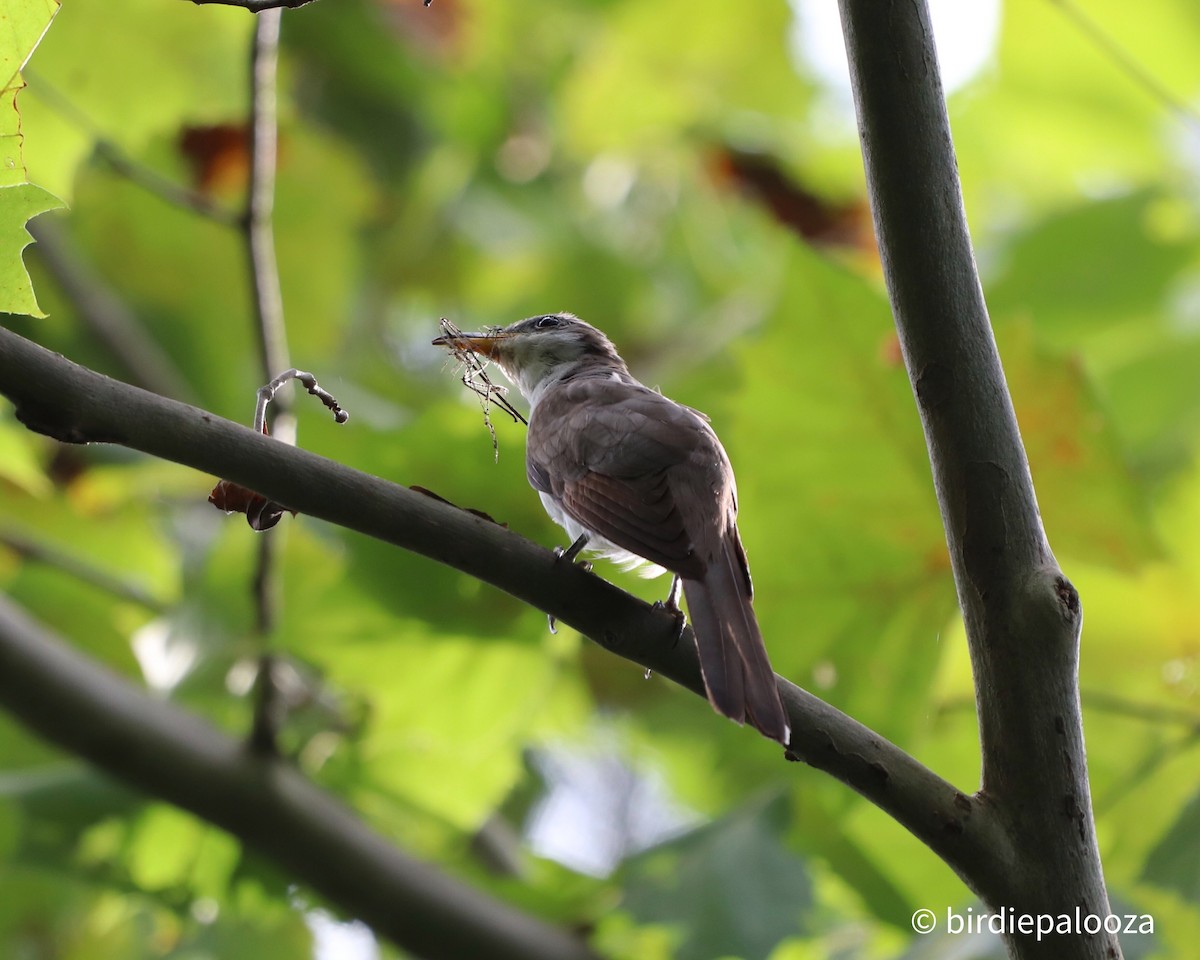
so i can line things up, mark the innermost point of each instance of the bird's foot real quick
(568, 556)
(570, 553)
(584, 565)
(671, 605)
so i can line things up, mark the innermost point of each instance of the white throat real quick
(537, 372)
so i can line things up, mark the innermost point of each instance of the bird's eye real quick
(544, 323)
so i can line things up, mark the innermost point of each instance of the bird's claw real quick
(569, 554)
(671, 605)
(681, 619)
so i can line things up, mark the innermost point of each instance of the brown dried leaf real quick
(261, 513)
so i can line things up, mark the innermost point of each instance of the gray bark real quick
(73, 702)
(1022, 616)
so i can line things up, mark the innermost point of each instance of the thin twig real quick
(163, 187)
(1104, 702)
(475, 378)
(1126, 62)
(106, 315)
(107, 150)
(1100, 701)
(260, 201)
(259, 238)
(30, 549)
(266, 393)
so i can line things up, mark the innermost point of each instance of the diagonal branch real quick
(69, 700)
(73, 404)
(122, 163)
(35, 551)
(1127, 63)
(105, 314)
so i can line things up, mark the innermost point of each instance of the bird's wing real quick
(606, 455)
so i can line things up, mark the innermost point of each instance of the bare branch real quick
(266, 394)
(260, 200)
(1105, 702)
(107, 150)
(162, 187)
(1022, 615)
(258, 234)
(73, 404)
(156, 747)
(28, 548)
(256, 6)
(1126, 63)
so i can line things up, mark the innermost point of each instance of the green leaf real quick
(1083, 270)
(25, 22)
(825, 835)
(22, 25)
(1175, 863)
(1060, 112)
(731, 886)
(1076, 458)
(19, 460)
(160, 66)
(19, 203)
(837, 507)
(719, 58)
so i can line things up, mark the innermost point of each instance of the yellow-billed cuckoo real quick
(634, 476)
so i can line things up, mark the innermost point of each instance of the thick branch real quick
(57, 397)
(1022, 615)
(91, 712)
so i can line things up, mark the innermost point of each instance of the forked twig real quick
(261, 513)
(475, 379)
(266, 394)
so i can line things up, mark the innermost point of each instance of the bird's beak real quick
(483, 344)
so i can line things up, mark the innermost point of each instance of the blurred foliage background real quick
(686, 176)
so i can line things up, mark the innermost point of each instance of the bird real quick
(637, 478)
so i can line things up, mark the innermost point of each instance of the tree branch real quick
(1124, 61)
(258, 235)
(257, 6)
(257, 229)
(111, 153)
(1021, 614)
(89, 711)
(37, 552)
(73, 404)
(105, 314)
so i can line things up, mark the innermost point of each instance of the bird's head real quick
(540, 350)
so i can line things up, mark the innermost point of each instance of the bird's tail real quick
(733, 658)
